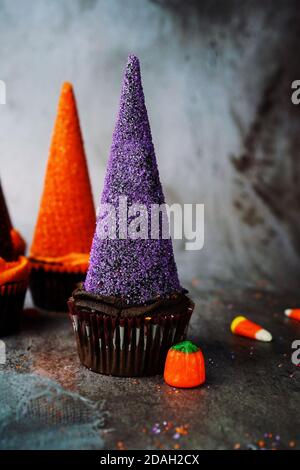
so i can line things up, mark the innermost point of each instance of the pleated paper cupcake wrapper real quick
(12, 296)
(51, 290)
(129, 347)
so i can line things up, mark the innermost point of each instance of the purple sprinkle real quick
(139, 270)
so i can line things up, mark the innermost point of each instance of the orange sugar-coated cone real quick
(243, 327)
(293, 313)
(66, 220)
(184, 367)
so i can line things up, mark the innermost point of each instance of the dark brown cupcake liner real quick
(12, 296)
(51, 290)
(130, 346)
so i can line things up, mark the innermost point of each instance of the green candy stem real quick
(186, 347)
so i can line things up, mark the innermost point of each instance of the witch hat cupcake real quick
(131, 308)
(14, 273)
(66, 222)
(19, 246)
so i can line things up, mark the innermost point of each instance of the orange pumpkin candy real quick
(184, 366)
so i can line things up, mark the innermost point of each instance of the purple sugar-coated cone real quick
(137, 270)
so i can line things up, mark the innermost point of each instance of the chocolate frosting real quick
(176, 303)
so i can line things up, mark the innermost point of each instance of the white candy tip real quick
(263, 335)
(288, 312)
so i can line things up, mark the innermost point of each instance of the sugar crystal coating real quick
(137, 270)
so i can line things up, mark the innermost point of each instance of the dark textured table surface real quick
(250, 399)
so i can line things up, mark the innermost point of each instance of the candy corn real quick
(243, 327)
(293, 313)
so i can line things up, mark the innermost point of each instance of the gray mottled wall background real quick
(217, 78)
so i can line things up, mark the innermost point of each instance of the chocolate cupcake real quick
(14, 273)
(131, 307)
(64, 230)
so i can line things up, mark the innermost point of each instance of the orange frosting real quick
(73, 262)
(14, 271)
(66, 220)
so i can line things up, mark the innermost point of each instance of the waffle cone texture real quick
(66, 219)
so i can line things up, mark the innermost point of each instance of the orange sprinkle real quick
(182, 430)
(158, 445)
(121, 445)
(66, 220)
